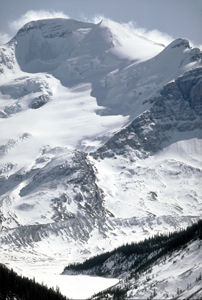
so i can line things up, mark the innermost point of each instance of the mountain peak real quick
(180, 43)
(54, 27)
(49, 44)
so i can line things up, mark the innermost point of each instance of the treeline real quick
(15, 287)
(143, 253)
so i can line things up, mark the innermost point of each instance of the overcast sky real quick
(177, 18)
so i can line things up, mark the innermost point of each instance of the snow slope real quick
(175, 276)
(140, 81)
(164, 266)
(153, 165)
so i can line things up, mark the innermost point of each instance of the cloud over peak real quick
(4, 38)
(33, 15)
(134, 42)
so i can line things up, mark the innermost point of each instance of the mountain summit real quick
(52, 43)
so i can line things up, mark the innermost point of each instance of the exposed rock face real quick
(69, 175)
(59, 196)
(25, 92)
(178, 109)
(8, 61)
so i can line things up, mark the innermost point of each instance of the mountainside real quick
(176, 110)
(95, 149)
(153, 165)
(135, 257)
(128, 89)
(170, 269)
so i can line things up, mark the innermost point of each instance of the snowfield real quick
(154, 185)
(49, 273)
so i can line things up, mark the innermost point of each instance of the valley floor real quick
(49, 273)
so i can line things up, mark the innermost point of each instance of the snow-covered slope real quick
(65, 92)
(127, 90)
(175, 275)
(153, 166)
(164, 266)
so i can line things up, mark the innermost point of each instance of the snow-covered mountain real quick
(95, 149)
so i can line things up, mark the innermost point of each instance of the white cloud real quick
(4, 38)
(195, 45)
(33, 15)
(134, 42)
